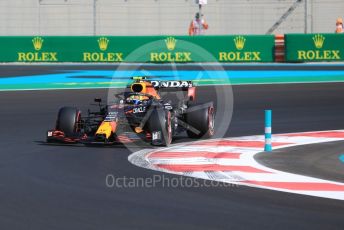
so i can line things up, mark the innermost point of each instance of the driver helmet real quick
(137, 99)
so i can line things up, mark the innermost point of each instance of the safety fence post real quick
(268, 117)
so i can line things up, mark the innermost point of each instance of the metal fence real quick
(160, 17)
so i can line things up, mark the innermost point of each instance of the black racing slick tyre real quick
(160, 127)
(201, 121)
(67, 120)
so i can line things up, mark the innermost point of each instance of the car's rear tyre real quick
(160, 127)
(201, 118)
(67, 120)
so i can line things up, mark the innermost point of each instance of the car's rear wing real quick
(172, 84)
(175, 86)
(165, 84)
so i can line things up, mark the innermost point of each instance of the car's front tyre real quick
(67, 120)
(160, 127)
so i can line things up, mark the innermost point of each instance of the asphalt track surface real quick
(26, 70)
(316, 160)
(64, 187)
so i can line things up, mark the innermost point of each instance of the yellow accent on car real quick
(105, 128)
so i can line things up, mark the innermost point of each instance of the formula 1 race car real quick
(140, 112)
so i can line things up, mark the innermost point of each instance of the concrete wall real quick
(154, 17)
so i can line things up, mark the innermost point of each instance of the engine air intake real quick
(137, 88)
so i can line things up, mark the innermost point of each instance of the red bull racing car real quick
(140, 112)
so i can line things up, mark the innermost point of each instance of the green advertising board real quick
(314, 47)
(155, 49)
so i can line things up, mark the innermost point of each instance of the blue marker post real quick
(341, 158)
(268, 116)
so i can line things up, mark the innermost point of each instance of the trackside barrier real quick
(268, 131)
(314, 47)
(169, 49)
(154, 49)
